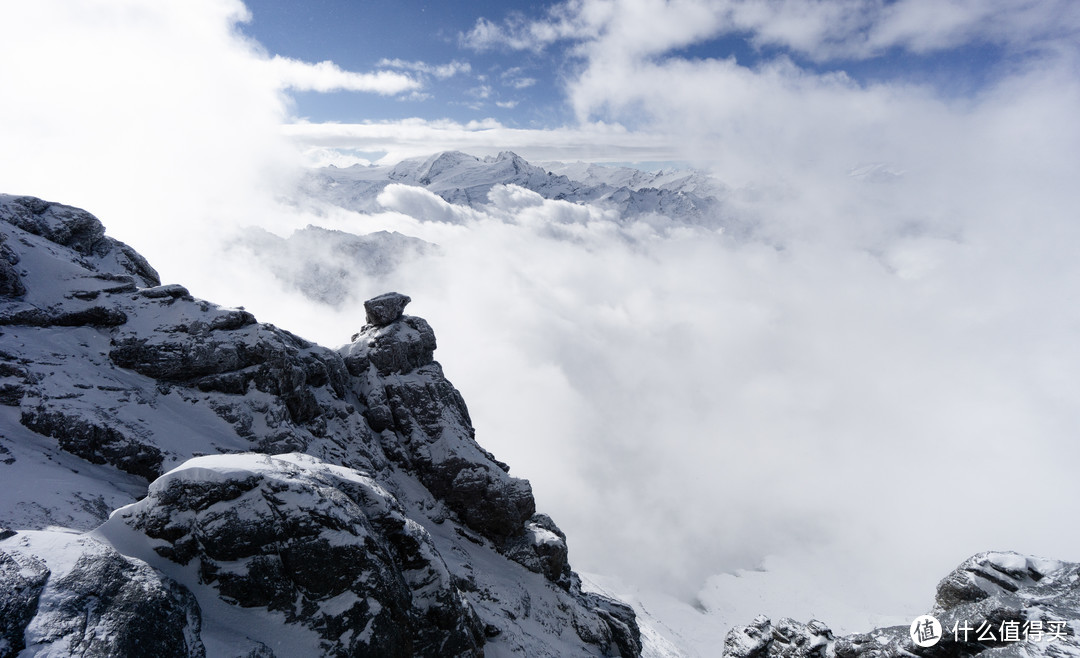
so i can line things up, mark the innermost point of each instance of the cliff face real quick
(271, 496)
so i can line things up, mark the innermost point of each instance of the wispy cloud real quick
(820, 30)
(327, 76)
(411, 137)
(482, 92)
(515, 78)
(441, 71)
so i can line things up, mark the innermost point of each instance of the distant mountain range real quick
(682, 196)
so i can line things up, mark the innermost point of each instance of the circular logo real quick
(925, 631)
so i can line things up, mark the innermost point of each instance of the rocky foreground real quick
(181, 480)
(995, 604)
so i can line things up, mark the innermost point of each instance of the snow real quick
(47, 487)
(542, 536)
(1013, 562)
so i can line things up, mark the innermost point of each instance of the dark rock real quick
(232, 320)
(290, 534)
(76, 229)
(398, 348)
(786, 639)
(91, 316)
(620, 620)
(111, 605)
(96, 442)
(171, 291)
(385, 308)
(212, 359)
(434, 434)
(11, 394)
(541, 548)
(11, 284)
(22, 578)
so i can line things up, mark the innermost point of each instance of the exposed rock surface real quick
(325, 547)
(405, 391)
(994, 604)
(395, 534)
(386, 308)
(74, 596)
(78, 230)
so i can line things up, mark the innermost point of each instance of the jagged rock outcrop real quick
(78, 230)
(324, 546)
(74, 596)
(22, 577)
(995, 604)
(395, 534)
(405, 391)
(386, 308)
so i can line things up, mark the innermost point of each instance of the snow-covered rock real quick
(385, 308)
(369, 522)
(70, 595)
(318, 546)
(994, 604)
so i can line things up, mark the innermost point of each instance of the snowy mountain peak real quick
(679, 197)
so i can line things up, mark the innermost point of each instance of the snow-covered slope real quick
(271, 496)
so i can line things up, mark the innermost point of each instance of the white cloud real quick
(687, 404)
(327, 76)
(411, 137)
(158, 117)
(441, 71)
(821, 30)
(575, 19)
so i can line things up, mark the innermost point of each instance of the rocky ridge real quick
(995, 604)
(271, 496)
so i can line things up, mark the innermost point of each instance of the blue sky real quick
(516, 87)
(525, 87)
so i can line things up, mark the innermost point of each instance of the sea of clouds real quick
(875, 383)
